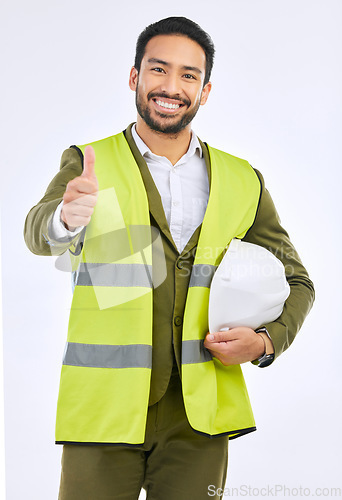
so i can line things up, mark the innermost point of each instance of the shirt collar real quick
(194, 146)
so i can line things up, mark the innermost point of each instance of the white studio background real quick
(276, 101)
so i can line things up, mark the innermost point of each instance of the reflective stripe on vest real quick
(202, 274)
(105, 380)
(193, 351)
(108, 356)
(96, 274)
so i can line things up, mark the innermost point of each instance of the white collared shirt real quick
(183, 188)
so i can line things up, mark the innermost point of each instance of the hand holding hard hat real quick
(248, 290)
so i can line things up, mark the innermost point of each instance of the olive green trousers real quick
(174, 463)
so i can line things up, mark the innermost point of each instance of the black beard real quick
(167, 128)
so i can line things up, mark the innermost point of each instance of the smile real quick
(169, 107)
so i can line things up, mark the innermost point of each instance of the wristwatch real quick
(265, 359)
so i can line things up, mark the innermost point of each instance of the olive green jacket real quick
(169, 298)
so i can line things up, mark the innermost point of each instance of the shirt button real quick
(180, 264)
(178, 320)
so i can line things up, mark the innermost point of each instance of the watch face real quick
(266, 360)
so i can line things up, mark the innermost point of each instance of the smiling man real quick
(171, 83)
(148, 399)
(171, 91)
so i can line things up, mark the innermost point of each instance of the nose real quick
(171, 85)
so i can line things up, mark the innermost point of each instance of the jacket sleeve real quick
(267, 232)
(36, 232)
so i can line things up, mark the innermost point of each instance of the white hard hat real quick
(249, 288)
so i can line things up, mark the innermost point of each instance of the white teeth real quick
(167, 105)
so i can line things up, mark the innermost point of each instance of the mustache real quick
(152, 95)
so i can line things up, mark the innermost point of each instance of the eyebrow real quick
(154, 60)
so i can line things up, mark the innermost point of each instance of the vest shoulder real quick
(233, 161)
(236, 163)
(227, 156)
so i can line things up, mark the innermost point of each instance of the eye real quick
(157, 70)
(189, 76)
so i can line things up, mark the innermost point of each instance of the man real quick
(147, 397)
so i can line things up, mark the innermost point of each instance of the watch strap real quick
(267, 358)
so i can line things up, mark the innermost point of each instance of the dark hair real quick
(177, 26)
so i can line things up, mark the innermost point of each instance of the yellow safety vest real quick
(105, 378)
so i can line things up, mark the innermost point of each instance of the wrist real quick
(268, 357)
(67, 227)
(262, 344)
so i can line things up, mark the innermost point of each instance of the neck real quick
(172, 146)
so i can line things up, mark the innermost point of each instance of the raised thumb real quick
(89, 163)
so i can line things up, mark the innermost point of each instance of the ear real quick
(133, 79)
(205, 93)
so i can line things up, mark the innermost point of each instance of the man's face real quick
(169, 86)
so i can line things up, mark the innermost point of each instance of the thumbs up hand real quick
(81, 194)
